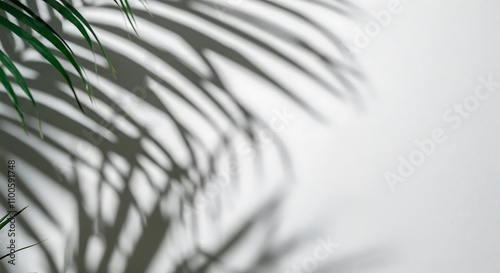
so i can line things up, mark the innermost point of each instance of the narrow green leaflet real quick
(43, 50)
(48, 33)
(12, 95)
(6, 61)
(5, 222)
(127, 10)
(23, 248)
(24, 16)
(71, 14)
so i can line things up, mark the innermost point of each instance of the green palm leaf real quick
(4, 221)
(188, 164)
(5, 60)
(22, 248)
(25, 17)
(12, 96)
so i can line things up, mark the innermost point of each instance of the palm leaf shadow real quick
(120, 134)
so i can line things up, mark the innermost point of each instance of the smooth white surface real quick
(444, 218)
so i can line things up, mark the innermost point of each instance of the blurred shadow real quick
(114, 142)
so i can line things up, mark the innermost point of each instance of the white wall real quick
(443, 218)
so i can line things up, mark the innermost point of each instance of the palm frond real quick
(169, 122)
(23, 22)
